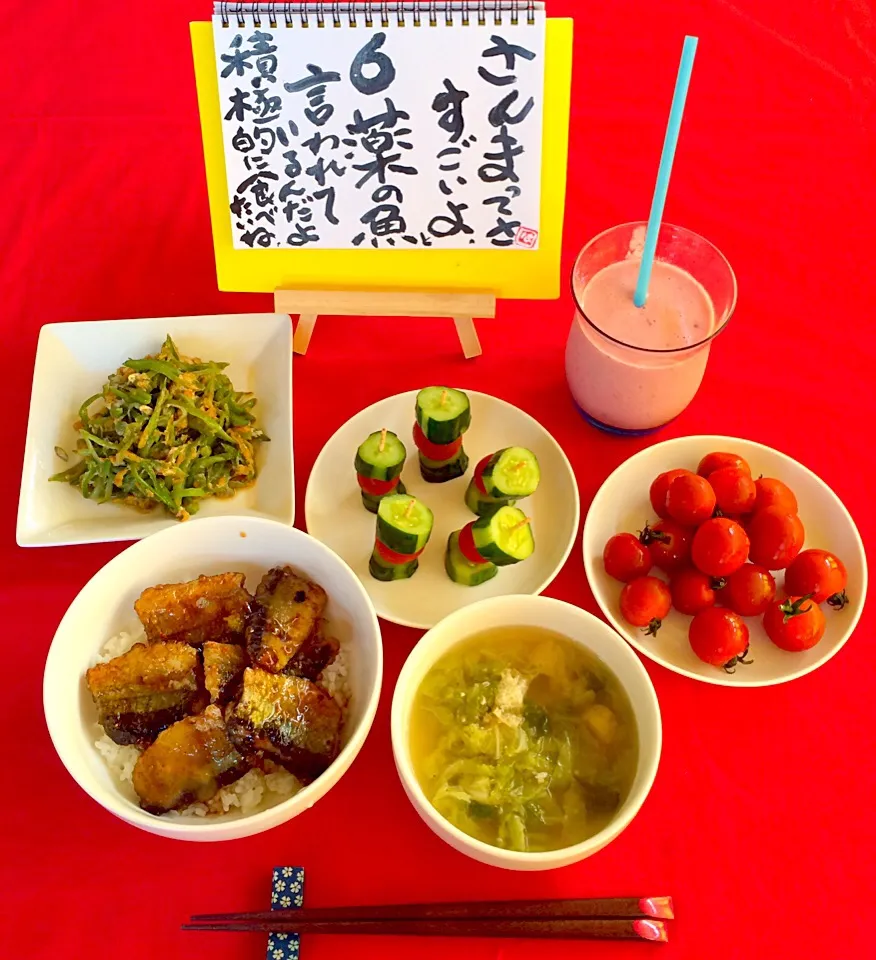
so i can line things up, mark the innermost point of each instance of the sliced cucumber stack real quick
(380, 456)
(379, 462)
(440, 471)
(503, 538)
(371, 501)
(501, 479)
(382, 569)
(480, 503)
(404, 525)
(462, 570)
(443, 415)
(512, 473)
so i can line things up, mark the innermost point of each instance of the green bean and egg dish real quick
(165, 431)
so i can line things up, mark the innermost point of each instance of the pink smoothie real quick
(632, 388)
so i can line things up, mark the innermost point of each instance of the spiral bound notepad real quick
(382, 125)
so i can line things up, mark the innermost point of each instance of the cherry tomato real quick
(820, 574)
(715, 461)
(390, 556)
(794, 624)
(749, 591)
(690, 500)
(691, 591)
(435, 451)
(479, 473)
(659, 489)
(467, 545)
(626, 557)
(645, 602)
(776, 537)
(719, 637)
(774, 493)
(668, 543)
(735, 491)
(719, 547)
(377, 488)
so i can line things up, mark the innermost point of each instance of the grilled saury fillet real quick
(148, 688)
(209, 608)
(188, 763)
(287, 719)
(283, 615)
(223, 667)
(315, 654)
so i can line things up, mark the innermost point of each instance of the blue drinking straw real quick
(670, 141)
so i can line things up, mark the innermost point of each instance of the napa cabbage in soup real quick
(523, 739)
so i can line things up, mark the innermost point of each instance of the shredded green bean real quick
(169, 432)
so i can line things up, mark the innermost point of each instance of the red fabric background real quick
(761, 819)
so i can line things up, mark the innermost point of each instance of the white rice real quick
(255, 790)
(334, 679)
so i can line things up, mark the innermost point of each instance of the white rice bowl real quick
(255, 790)
(101, 623)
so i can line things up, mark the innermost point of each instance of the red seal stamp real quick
(526, 237)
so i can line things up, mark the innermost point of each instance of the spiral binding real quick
(395, 13)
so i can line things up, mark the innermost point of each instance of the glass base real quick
(618, 431)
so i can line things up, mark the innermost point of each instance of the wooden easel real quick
(461, 307)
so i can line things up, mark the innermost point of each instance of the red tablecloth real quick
(760, 823)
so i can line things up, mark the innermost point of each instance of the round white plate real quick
(622, 504)
(335, 515)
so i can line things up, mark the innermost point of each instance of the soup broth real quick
(523, 739)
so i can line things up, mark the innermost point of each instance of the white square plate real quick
(73, 362)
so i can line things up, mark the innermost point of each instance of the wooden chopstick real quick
(551, 929)
(629, 907)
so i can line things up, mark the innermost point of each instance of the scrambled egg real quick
(508, 706)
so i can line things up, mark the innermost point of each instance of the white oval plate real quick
(335, 515)
(622, 504)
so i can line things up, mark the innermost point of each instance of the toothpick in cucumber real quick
(379, 462)
(501, 479)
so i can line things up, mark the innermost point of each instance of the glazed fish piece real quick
(145, 690)
(223, 667)
(283, 615)
(315, 654)
(285, 719)
(209, 608)
(188, 763)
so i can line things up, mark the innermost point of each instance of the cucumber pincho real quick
(469, 569)
(404, 525)
(443, 415)
(501, 479)
(475, 552)
(379, 461)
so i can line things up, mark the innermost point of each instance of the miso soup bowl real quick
(580, 627)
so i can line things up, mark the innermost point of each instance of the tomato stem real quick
(838, 600)
(652, 628)
(795, 609)
(648, 535)
(718, 583)
(730, 665)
